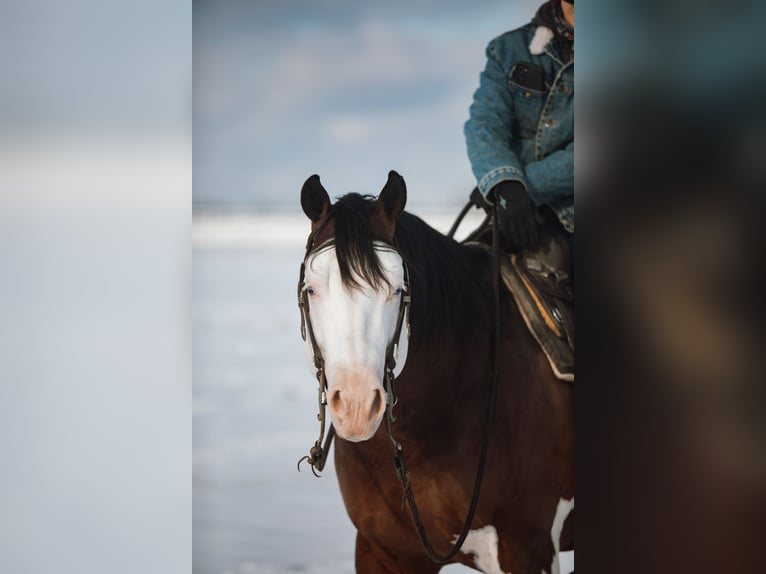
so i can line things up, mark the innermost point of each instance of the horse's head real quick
(352, 294)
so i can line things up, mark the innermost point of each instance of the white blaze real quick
(352, 326)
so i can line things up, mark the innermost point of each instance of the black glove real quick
(515, 214)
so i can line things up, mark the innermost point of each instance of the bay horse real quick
(366, 259)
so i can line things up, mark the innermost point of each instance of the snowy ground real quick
(254, 407)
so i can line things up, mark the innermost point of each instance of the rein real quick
(318, 454)
(399, 458)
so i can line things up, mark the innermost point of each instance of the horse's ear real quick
(314, 199)
(390, 203)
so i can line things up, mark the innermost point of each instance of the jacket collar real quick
(541, 39)
(553, 34)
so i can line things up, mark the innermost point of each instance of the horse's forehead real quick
(389, 258)
(323, 263)
(326, 256)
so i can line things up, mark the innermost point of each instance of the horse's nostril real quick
(377, 404)
(335, 400)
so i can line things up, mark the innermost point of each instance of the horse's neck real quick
(454, 360)
(458, 364)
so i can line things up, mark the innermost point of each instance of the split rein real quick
(317, 456)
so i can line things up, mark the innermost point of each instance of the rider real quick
(520, 134)
(520, 139)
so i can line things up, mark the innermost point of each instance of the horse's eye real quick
(399, 291)
(310, 290)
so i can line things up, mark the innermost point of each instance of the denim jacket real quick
(519, 133)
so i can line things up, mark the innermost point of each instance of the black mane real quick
(450, 282)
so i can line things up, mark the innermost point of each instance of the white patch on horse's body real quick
(353, 328)
(563, 509)
(482, 543)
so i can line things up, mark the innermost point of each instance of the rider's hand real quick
(515, 214)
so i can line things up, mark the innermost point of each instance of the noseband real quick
(318, 453)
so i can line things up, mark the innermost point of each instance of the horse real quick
(386, 297)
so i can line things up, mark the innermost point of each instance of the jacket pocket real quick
(527, 107)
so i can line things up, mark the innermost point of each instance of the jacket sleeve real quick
(551, 177)
(488, 130)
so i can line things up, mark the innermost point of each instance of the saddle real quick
(541, 286)
(543, 292)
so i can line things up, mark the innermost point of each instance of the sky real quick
(345, 89)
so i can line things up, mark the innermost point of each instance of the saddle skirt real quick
(543, 292)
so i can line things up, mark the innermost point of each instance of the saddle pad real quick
(535, 308)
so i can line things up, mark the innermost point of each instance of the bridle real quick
(318, 453)
(317, 456)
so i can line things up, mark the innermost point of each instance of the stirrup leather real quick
(545, 299)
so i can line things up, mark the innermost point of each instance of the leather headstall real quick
(317, 456)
